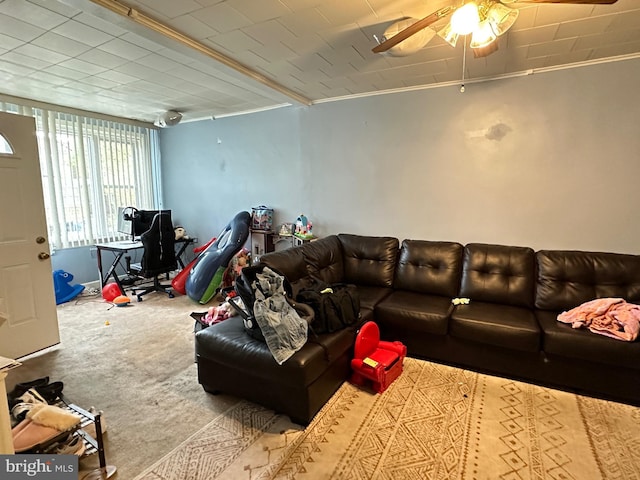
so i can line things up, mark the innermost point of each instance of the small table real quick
(182, 245)
(122, 247)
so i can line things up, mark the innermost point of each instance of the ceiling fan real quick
(485, 20)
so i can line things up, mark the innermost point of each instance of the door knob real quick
(41, 240)
(43, 255)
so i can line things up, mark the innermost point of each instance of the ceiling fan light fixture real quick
(484, 51)
(501, 17)
(168, 119)
(465, 19)
(448, 35)
(483, 35)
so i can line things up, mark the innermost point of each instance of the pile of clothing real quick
(39, 424)
(612, 317)
(284, 331)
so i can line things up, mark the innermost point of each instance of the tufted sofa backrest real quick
(289, 262)
(499, 274)
(429, 267)
(320, 259)
(324, 259)
(369, 261)
(567, 278)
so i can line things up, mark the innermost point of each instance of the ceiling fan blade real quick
(571, 2)
(412, 29)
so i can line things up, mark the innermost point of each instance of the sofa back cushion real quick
(567, 279)
(320, 259)
(369, 261)
(428, 267)
(499, 274)
(324, 259)
(289, 262)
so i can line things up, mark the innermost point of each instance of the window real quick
(4, 145)
(90, 167)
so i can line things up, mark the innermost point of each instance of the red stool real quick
(376, 360)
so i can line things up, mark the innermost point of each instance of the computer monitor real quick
(125, 220)
(143, 219)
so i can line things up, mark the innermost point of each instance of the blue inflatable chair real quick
(64, 291)
(205, 277)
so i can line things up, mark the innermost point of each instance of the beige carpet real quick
(136, 364)
(434, 422)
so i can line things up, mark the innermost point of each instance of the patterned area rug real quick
(434, 422)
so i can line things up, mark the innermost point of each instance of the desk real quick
(120, 248)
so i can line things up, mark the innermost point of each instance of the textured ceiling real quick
(79, 54)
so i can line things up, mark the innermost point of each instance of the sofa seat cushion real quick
(501, 325)
(371, 296)
(227, 342)
(415, 312)
(561, 339)
(366, 315)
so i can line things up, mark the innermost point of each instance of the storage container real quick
(262, 218)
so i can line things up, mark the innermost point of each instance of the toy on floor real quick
(64, 291)
(179, 280)
(376, 360)
(205, 277)
(111, 291)
(121, 301)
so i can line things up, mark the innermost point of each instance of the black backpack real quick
(336, 306)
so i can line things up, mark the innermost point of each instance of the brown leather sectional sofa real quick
(509, 327)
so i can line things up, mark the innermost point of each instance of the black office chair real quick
(159, 256)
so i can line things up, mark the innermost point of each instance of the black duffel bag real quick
(336, 305)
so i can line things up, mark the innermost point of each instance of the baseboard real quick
(90, 285)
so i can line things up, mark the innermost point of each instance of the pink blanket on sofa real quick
(613, 317)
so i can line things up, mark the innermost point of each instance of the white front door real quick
(28, 319)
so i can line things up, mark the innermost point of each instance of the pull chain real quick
(464, 62)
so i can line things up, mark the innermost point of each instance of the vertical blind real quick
(90, 167)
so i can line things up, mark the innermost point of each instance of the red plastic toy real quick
(180, 279)
(111, 291)
(376, 360)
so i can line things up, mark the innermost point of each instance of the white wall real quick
(549, 161)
